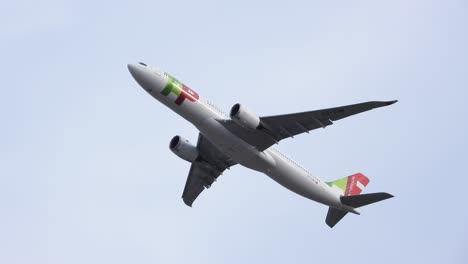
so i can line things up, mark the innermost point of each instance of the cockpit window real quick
(141, 63)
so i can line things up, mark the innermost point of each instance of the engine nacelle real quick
(244, 117)
(183, 148)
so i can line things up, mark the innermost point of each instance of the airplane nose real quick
(133, 68)
(143, 75)
(139, 73)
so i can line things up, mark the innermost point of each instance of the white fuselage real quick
(204, 116)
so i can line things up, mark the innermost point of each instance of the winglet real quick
(187, 201)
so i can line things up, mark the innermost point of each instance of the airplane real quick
(244, 138)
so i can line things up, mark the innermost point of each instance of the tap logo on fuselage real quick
(181, 90)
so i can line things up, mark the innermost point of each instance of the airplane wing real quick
(275, 128)
(205, 170)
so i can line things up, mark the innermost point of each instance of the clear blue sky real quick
(86, 175)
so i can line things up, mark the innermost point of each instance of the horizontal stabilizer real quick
(357, 201)
(334, 216)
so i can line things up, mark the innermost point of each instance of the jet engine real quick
(183, 148)
(244, 117)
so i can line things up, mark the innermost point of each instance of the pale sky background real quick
(86, 175)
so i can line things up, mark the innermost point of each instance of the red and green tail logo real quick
(351, 185)
(179, 89)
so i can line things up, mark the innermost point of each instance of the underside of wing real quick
(204, 170)
(272, 129)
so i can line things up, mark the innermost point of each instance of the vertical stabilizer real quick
(351, 185)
